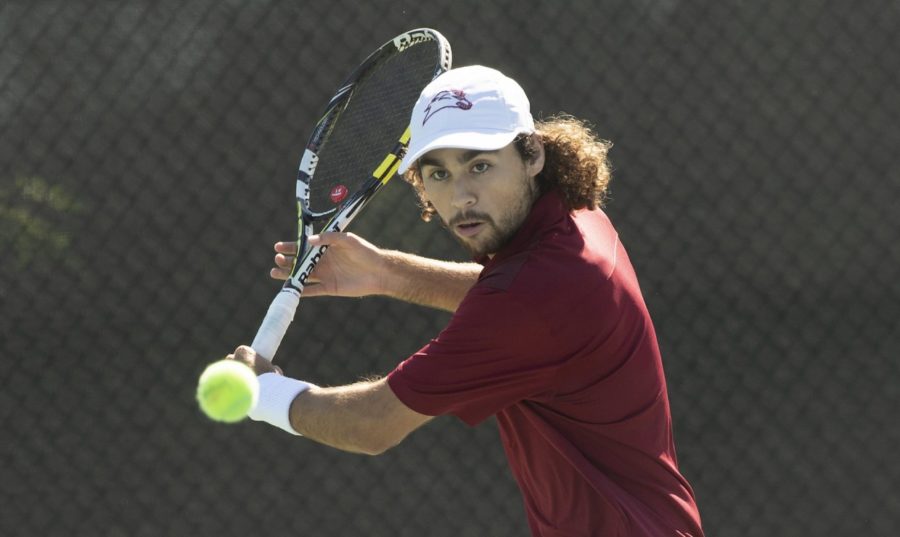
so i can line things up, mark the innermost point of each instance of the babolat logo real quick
(403, 42)
(315, 260)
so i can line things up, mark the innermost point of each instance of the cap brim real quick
(458, 140)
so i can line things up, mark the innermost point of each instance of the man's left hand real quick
(257, 363)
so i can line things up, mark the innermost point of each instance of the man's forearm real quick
(364, 417)
(428, 282)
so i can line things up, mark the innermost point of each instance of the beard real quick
(500, 231)
(491, 239)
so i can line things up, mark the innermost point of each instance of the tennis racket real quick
(354, 150)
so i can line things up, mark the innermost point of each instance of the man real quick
(551, 336)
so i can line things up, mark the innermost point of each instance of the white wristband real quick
(276, 393)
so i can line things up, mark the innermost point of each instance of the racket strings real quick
(370, 123)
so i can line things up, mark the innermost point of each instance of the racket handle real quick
(276, 323)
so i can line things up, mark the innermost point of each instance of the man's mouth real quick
(469, 228)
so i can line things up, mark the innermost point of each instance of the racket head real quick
(357, 145)
(365, 119)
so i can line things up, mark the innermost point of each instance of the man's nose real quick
(463, 194)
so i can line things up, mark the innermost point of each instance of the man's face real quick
(481, 196)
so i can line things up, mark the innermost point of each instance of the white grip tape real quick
(275, 325)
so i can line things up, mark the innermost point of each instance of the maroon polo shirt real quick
(556, 342)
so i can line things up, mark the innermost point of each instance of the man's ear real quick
(536, 164)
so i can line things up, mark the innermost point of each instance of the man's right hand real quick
(352, 267)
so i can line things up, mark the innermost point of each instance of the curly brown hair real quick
(576, 163)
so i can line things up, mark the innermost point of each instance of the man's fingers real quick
(244, 353)
(257, 363)
(279, 274)
(327, 238)
(284, 261)
(283, 266)
(289, 248)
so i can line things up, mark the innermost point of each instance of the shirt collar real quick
(546, 212)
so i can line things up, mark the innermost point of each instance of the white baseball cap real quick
(471, 107)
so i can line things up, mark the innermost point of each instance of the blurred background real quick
(147, 162)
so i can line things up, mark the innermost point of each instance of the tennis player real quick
(549, 334)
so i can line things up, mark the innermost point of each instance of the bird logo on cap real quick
(456, 97)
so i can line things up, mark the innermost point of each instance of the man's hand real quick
(351, 267)
(257, 363)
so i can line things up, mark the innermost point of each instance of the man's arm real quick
(354, 267)
(427, 282)
(365, 417)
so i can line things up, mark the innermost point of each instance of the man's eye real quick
(438, 175)
(481, 167)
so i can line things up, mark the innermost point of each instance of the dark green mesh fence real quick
(147, 157)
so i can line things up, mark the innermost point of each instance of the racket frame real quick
(281, 312)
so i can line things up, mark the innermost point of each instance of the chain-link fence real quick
(147, 156)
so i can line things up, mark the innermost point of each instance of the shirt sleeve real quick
(496, 351)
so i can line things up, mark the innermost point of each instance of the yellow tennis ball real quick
(227, 391)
